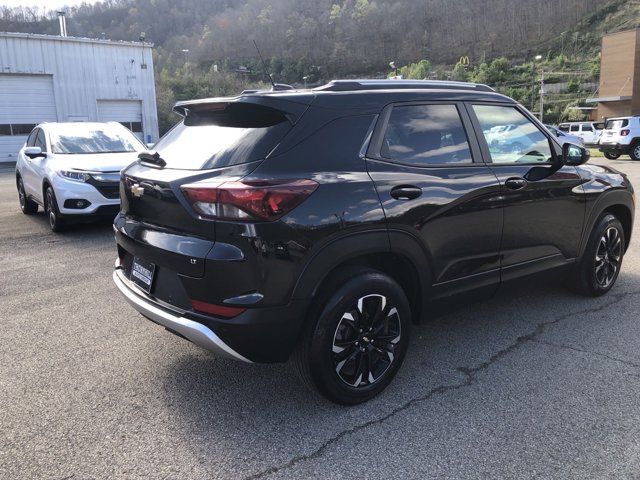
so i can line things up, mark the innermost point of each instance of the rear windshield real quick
(224, 134)
(616, 124)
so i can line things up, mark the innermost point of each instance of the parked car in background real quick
(589, 131)
(72, 170)
(564, 137)
(621, 136)
(318, 225)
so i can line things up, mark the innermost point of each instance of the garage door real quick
(127, 112)
(25, 101)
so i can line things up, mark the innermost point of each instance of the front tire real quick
(600, 265)
(51, 209)
(611, 156)
(357, 343)
(28, 206)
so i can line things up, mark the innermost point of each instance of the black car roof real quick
(362, 94)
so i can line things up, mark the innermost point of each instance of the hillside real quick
(336, 35)
(324, 39)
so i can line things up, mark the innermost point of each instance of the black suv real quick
(318, 225)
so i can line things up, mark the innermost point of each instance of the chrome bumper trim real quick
(193, 331)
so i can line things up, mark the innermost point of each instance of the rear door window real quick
(423, 135)
(587, 128)
(221, 135)
(575, 128)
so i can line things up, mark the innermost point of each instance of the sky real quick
(50, 4)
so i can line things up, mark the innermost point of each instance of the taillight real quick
(624, 133)
(248, 200)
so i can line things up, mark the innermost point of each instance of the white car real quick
(565, 137)
(589, 131)
(621, 136)
(73, 169)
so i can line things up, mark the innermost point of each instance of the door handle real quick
(406, 192)
(515, 183)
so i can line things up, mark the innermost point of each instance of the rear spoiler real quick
(293, 106)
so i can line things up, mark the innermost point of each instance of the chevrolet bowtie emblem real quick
(137, 190)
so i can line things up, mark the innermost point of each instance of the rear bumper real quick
(262, 335)
(193, 331)
(614, 148)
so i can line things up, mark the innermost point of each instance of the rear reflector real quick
(248, 200)
(216, 310)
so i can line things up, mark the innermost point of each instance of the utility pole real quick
(541, 95)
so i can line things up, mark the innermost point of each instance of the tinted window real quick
(40, 140)
(564, 128)
(587, 128)
(5, 129)
(524, 143)
(31, 141)
(575, 128)
(426, 135)
(223, 134)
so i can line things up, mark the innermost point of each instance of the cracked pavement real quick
(536, 382)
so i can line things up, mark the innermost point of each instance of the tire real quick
(634, 151)
(28, 207)
(56, 223)
(611, 156)
(600, 264)
(358, 337)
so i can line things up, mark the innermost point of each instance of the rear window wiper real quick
(153, 158)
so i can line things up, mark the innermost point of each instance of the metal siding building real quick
(46, 78)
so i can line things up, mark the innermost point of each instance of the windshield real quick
(81, 139)
(223, 135)
(616, 124)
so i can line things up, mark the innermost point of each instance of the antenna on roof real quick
(274, 86)
(264, 65)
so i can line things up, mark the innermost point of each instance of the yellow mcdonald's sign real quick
(464, 60)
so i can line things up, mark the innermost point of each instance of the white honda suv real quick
(621, 136)
(73, 170)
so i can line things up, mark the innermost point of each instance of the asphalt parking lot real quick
(537, 382)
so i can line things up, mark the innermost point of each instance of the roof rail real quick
(388, 84)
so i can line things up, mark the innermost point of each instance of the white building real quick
(45, 78)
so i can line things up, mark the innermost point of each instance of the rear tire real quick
(634, 152)
(611, 156)
(599, 267)
(28, 206)
(51, 209)
(358, 339)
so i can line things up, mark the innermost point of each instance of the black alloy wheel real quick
(608, 257)
(365, 340)
(357, 338)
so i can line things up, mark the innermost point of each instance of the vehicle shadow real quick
(219, 404)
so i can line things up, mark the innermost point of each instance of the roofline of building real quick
(41, 36)
(621, 31)
(620, 98)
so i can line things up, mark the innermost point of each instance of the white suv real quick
(588, 131)
(73, 169)
(621, 136)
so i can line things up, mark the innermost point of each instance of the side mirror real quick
(574, 154)
(34, 152)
